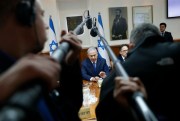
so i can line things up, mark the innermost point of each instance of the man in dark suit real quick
(165, 34)
(94, 67)
(123, 50)
(157, 69)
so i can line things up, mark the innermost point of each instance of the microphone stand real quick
(143, 111)
(25, 100)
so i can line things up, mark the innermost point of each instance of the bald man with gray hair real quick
(141, 32)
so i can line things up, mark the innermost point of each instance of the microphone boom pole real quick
(144, 111)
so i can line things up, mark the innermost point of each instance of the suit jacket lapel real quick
(98, 64)
(90, 66)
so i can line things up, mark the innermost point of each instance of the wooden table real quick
(92, 107)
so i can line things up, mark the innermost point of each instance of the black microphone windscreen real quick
(93, 32)
(89, 21)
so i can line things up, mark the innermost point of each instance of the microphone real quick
(89, 21)
(93, 31)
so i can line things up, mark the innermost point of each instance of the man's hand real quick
(102, 74)
(95, 79)
(125, 88)
(28, 69)
(75, 46)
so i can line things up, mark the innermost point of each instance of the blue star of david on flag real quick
(100, 45)
(53, 45)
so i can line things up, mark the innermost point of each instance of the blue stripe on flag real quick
(100, 20)
(51, 25)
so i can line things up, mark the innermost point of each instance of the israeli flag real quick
(52, 35)
(101, 49)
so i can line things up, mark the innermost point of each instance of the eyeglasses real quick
(124, 50)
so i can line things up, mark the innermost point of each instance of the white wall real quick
(68, 8)
(50, 8)
(73, 8)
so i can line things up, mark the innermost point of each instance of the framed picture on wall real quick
(118, 23)
(142, 14)
(73, 22)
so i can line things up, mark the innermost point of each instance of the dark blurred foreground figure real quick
(155, 63)
(165, 34)
(23, 34)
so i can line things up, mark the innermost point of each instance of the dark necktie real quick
(94, 65)
(162, 34)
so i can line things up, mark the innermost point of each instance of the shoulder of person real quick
(119, 56)
(173, 49)
(85, 60)
(123, 18)
(175, 46)
(102, 59)
(167, 32)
